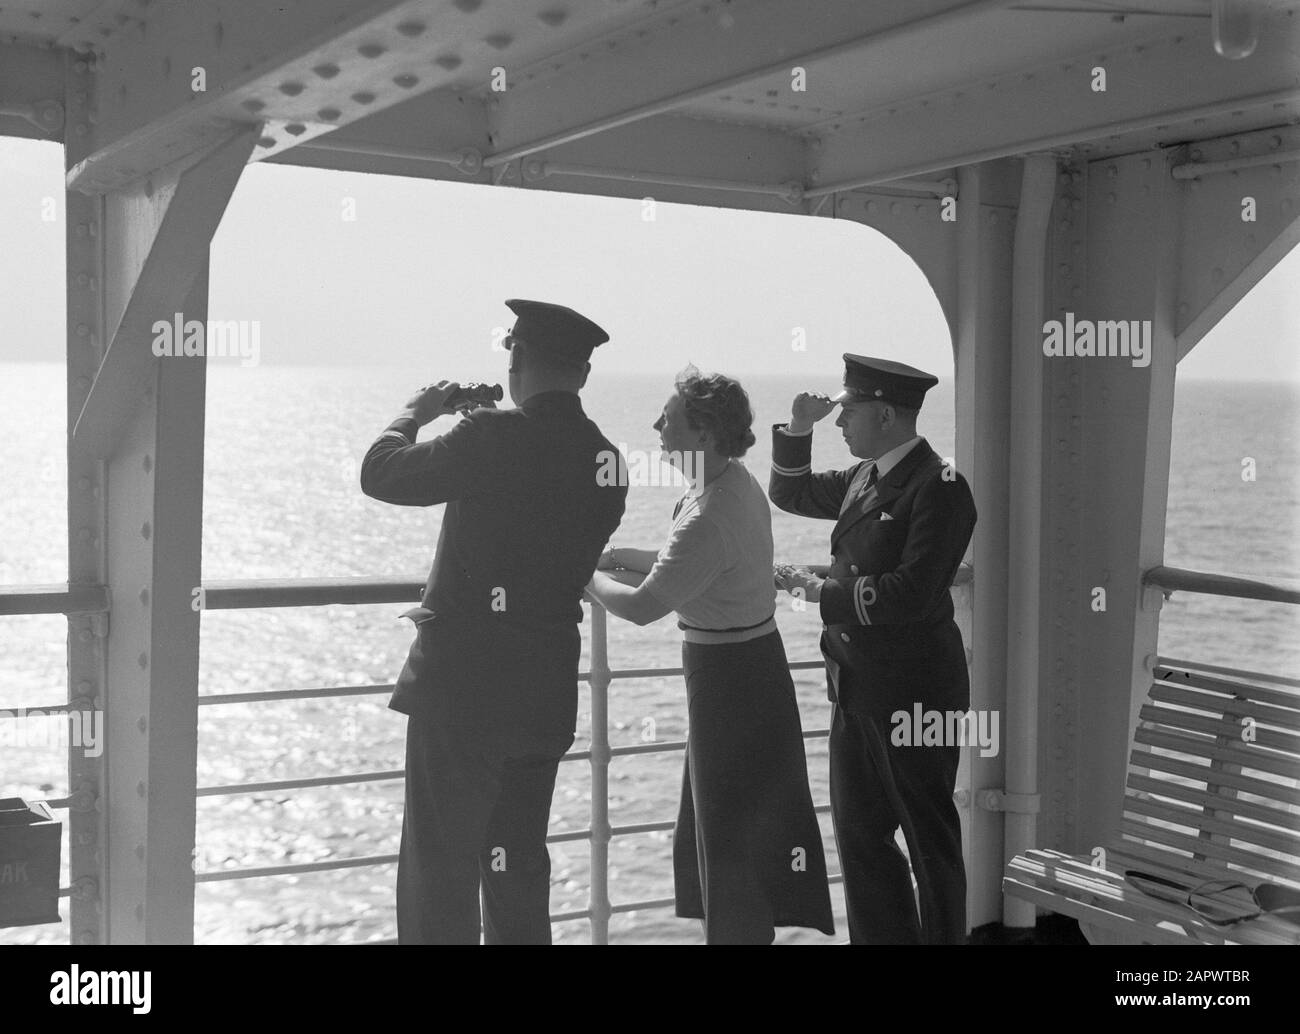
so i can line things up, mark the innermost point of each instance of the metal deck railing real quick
(239, 595)
(600, 676)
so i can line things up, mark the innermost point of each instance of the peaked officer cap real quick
(867, 379)
(565, 334)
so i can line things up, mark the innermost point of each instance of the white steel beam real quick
(164, 229)
(644, 73)
(296, 64)
(672, 159)
(1025, 526)
(982, 345)
(1243, 216)
(171, 78)
(87, 551)
(154, 536)
(1107, 429)
(1150, 86)
(31, 92)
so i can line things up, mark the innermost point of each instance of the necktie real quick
(853, 499)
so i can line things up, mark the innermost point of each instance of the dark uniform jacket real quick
(889, 639)
(528, 514)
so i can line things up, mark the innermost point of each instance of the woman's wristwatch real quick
(613, 559)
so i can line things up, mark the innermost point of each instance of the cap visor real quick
(844, 396)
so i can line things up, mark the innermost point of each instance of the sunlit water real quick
(283, 447)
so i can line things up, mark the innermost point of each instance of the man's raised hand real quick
(430, 402)
(807, 408)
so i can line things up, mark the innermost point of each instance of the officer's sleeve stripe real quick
(791, 472)
(398, 435)
(860, 601)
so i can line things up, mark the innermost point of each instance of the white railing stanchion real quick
(598, 901)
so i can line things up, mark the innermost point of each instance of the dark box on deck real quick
(30, 845)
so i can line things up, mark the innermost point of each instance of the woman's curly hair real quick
(720, 406)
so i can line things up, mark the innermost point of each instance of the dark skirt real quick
(747, 849)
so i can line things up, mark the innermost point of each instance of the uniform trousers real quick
(475, 822)
(877, 787)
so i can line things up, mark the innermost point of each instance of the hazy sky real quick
(419, 275)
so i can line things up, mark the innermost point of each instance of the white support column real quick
(87, 525)
(1025, 524)
(136, 496)
(982, 343)
(1106, 470)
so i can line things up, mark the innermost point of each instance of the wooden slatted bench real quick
(1211, 794)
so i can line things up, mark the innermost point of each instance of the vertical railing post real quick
(598, 901)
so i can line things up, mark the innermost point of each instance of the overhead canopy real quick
(795, 99)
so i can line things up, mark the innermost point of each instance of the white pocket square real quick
(884, 516)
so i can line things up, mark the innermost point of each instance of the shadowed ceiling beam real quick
(192, 202)
(1155, 89)
(280, 65)
(670, 70)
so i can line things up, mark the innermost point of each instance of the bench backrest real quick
(1213, 778)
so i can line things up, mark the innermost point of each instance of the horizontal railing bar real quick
(318, 692)
(228, 789)
(570, 837)
(643, 673)
(43, 709)
(209, 699)
(567, 917)
(289, 784)
(251, 594)
(1177, 579)
(554, 838)
(225, 875)
(643, 906)
(640, 827)
(53, 599)
(243, 594)
(1219, 669)
(647, 748)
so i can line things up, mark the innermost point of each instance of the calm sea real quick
(283, 447)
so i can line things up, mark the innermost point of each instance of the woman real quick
(747, 850)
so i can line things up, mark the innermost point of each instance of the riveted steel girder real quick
(151, 237)
(695, 53)
(1238, 223)
(1166, 89)
(31, 91)
(1107, 429)
(172, 78)
(153, 535)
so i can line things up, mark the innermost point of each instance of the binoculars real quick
(467, 396)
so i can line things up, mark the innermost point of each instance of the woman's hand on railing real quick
(799, 582)
(625, 558)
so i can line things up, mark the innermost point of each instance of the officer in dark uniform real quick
(903, 521)
(491, 682)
